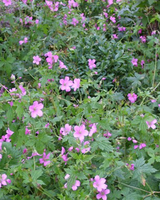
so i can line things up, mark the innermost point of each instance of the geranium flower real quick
(45, 160)
(103, 194)
(132, 97)
(66, 129)
(151, 124)
(99, 183)
(76, 84)
(91, 63)
(134, 62)
(7, 2)
(76, 185)
(35, 109)
(4, 180)
(36, 60)
(66, 84)
(80, 132)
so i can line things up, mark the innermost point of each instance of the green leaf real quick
(10, 114)
(19, 110)
(142, 169)
(151, 2)
(71, 181)
(36, 174)
(102, 143)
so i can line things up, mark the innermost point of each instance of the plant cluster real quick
(79, 100)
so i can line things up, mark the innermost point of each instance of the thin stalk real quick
(155, 68)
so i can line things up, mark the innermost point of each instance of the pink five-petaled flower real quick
(7, 2)
(142, 145)
(66, 84)
(36, 60)
(103, 194)
(9, 132)
(77, 184)
(3, 180)
(113, 19)
(74, 21)
(134, 62)
(76, 84)
(91, 63)
(45, 160)
(99, 183)
(80, 132)
(143, 39)
(66, 129)
(110, 2)
(93, 130)
(132, 97)
(35, 109)
(151, 124)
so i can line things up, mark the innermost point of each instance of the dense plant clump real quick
(79, 100)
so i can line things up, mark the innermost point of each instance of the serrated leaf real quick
(151, 2)
(36, 174)
(71, 181)
(19, 110)
(102, 143)
(142, 169)
(10, 115)
(87, 158)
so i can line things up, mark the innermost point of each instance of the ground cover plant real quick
(79, 100)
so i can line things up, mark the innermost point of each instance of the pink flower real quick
(110, 2)
(99, 183)
(80, 132)
(153, 33)
(10, 103)
(113, 19)
(108, 134)
(36, 60)
(132, 167)
(35, 109)
(105, 14)
(62, 65)
(91, 63)
(151, 124)
(37, 21)
(7, 2)
(27, 131)
(103, 194)
(25, 40)
(132, 97)
(66, 84)
(115, 36)
(21, 42)
(143, 39)
(76, 84)
(24, 1)
(142, 145)
(45, 160)
(66, 129)
(64, 156)
(136, 146)
(140, 31)
(74, 21)
(153, 100)
(3, 180)
(134, 62)
(142, 63)
(22, 90)
(9, 132)
(93, 130)
(77, 184)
